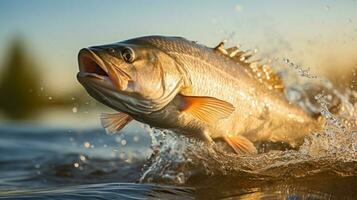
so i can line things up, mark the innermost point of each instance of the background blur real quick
(40, 39)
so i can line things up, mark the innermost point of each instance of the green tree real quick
(19, 84)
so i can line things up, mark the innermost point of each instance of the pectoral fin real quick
(207, 109)
(113, 123)
(240, 144)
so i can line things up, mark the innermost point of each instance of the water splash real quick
(339, 136)
(329, 152)
(300, 70)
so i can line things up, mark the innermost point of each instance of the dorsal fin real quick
(220, 48)
(262, 72)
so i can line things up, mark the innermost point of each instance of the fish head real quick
(132, 77)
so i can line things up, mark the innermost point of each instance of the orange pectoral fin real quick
(113, 123)
(207, 109)
(240, 144)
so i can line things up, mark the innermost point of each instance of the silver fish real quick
(201, 92)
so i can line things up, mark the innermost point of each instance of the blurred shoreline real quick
(59, 118)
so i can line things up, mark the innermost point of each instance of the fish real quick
(207, 93)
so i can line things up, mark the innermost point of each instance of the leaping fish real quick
(201, 92)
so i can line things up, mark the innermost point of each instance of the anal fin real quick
(240, 144)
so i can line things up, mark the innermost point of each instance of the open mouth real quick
(91, 65)
(92, 68)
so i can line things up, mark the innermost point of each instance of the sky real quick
(54, 31)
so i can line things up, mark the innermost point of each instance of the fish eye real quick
(111, 50)
(128, 55)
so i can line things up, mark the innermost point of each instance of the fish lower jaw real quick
(87, 79)
(91, 75)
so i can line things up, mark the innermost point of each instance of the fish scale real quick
(204, 64)
(220, 93)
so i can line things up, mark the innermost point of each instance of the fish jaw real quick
(94, 75)
(93, 62)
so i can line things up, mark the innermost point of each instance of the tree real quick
(19, 84)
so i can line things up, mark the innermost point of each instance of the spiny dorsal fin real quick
(220, 48)
(262, 72)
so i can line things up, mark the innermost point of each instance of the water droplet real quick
(87, 145)
(123, 142)
(74, 110)
(122, 155)
(76, 165)
(82, 157)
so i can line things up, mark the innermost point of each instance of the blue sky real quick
(56, 30)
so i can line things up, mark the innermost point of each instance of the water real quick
(142, 163)
(43, 163)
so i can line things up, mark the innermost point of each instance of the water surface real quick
(43, 163)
